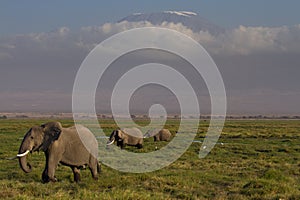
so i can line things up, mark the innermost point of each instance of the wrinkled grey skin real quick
(127, 136)
(60, 145)
(159, 134)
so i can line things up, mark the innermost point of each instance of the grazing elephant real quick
(127, 136)
(159, 134)
(61, 145)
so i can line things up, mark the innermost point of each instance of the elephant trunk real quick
(23, 151)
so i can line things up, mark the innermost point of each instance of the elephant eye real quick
(31, 137)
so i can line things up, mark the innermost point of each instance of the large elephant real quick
(159, 134)
(127, 136)
(61, 145)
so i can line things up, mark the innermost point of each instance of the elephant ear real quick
(120, 134)
(113, 135)
(52, 131)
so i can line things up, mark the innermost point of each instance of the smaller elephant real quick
(127, 136)
(159, 134)
(61, 145)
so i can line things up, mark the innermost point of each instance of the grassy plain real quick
(259, 160)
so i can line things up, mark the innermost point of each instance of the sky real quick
(36, 16)
(42, 45)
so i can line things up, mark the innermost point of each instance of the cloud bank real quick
(250, 59)
(239, 41)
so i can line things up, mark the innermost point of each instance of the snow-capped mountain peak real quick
(189, 19)
(182, 13)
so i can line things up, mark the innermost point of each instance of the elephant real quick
(127, 136)
(159, 134)
(61, 145)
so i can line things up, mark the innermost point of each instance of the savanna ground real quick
(259, 160)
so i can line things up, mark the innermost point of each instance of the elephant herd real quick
(134, 137)
(65, 146)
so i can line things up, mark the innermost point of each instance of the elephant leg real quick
(51, 166)
(51, 173)
(139, 146)
(45, 177)
(94, 168)
(119, 143)
(123, 144)
(76, 173)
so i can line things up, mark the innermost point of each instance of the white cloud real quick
(248, 40)
(63, 31)
(256, 40)
(239, 41)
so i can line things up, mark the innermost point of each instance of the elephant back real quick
(152, 133)
(134, 132)
(135, 135)
(87, 138)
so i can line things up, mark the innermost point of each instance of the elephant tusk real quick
(23, 154)
(110, 143)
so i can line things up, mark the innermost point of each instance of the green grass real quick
(259, 160)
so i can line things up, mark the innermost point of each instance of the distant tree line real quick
(263, 117)
(175, 116)
(22, 116)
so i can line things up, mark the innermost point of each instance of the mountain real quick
(189, 19)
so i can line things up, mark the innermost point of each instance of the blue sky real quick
(43, 16)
